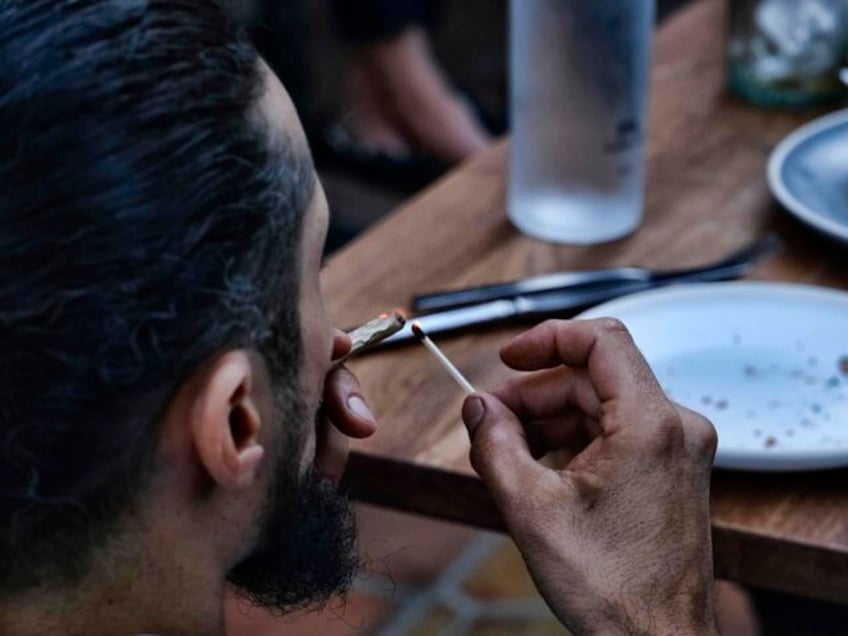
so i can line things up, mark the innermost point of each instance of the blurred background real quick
(389, 107)
(320, 58)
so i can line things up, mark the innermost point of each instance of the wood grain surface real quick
(706, 196)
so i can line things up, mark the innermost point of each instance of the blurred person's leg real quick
(397, 97)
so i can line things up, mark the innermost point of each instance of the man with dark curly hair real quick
(172, 427)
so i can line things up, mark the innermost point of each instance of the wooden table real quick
(707, 196)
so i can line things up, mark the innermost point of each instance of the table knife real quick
(568, 300)
(595, 279)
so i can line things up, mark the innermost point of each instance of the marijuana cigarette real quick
(373, 332)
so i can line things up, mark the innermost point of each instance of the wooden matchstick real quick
(441, 357)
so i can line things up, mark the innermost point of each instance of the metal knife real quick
(571, 299)
(560, 281)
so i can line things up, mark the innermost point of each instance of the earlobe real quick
(226, 421)
(249, 459)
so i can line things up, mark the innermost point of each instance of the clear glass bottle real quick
(790, 53)
(579, 74)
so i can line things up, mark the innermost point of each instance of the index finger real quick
(602, 346)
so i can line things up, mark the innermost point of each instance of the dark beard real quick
(306, 554)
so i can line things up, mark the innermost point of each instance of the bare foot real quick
(370, 120)
(400, 99)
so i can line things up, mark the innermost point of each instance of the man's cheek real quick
(309, 451)
(310, 446)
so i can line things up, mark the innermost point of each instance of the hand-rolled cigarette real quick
(441, 357)
(373, 332)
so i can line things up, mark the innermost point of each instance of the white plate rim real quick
(782, 193)
(739, 459)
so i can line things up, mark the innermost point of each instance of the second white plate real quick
(808, 173)
(766, 362)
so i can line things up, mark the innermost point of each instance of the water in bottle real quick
(579, 74)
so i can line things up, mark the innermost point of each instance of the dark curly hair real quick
(146, 224)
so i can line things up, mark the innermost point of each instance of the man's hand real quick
(345, 415)
(618, 539)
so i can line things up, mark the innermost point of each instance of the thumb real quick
(499, 450)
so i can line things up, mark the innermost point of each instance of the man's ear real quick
(225, 420)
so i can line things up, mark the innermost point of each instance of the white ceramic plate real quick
(764, 361)
(808, 174)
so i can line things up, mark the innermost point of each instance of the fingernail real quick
(473, 412)
(358, 407)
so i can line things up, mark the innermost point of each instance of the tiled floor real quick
(423, 578)
(428, 578)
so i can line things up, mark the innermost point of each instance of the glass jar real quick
(788, 52)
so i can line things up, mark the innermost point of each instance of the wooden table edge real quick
(739, 554)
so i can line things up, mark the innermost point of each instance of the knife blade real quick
(568, 300)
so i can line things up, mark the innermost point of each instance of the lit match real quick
(441, 357)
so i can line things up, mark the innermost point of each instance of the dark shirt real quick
(365, 21)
